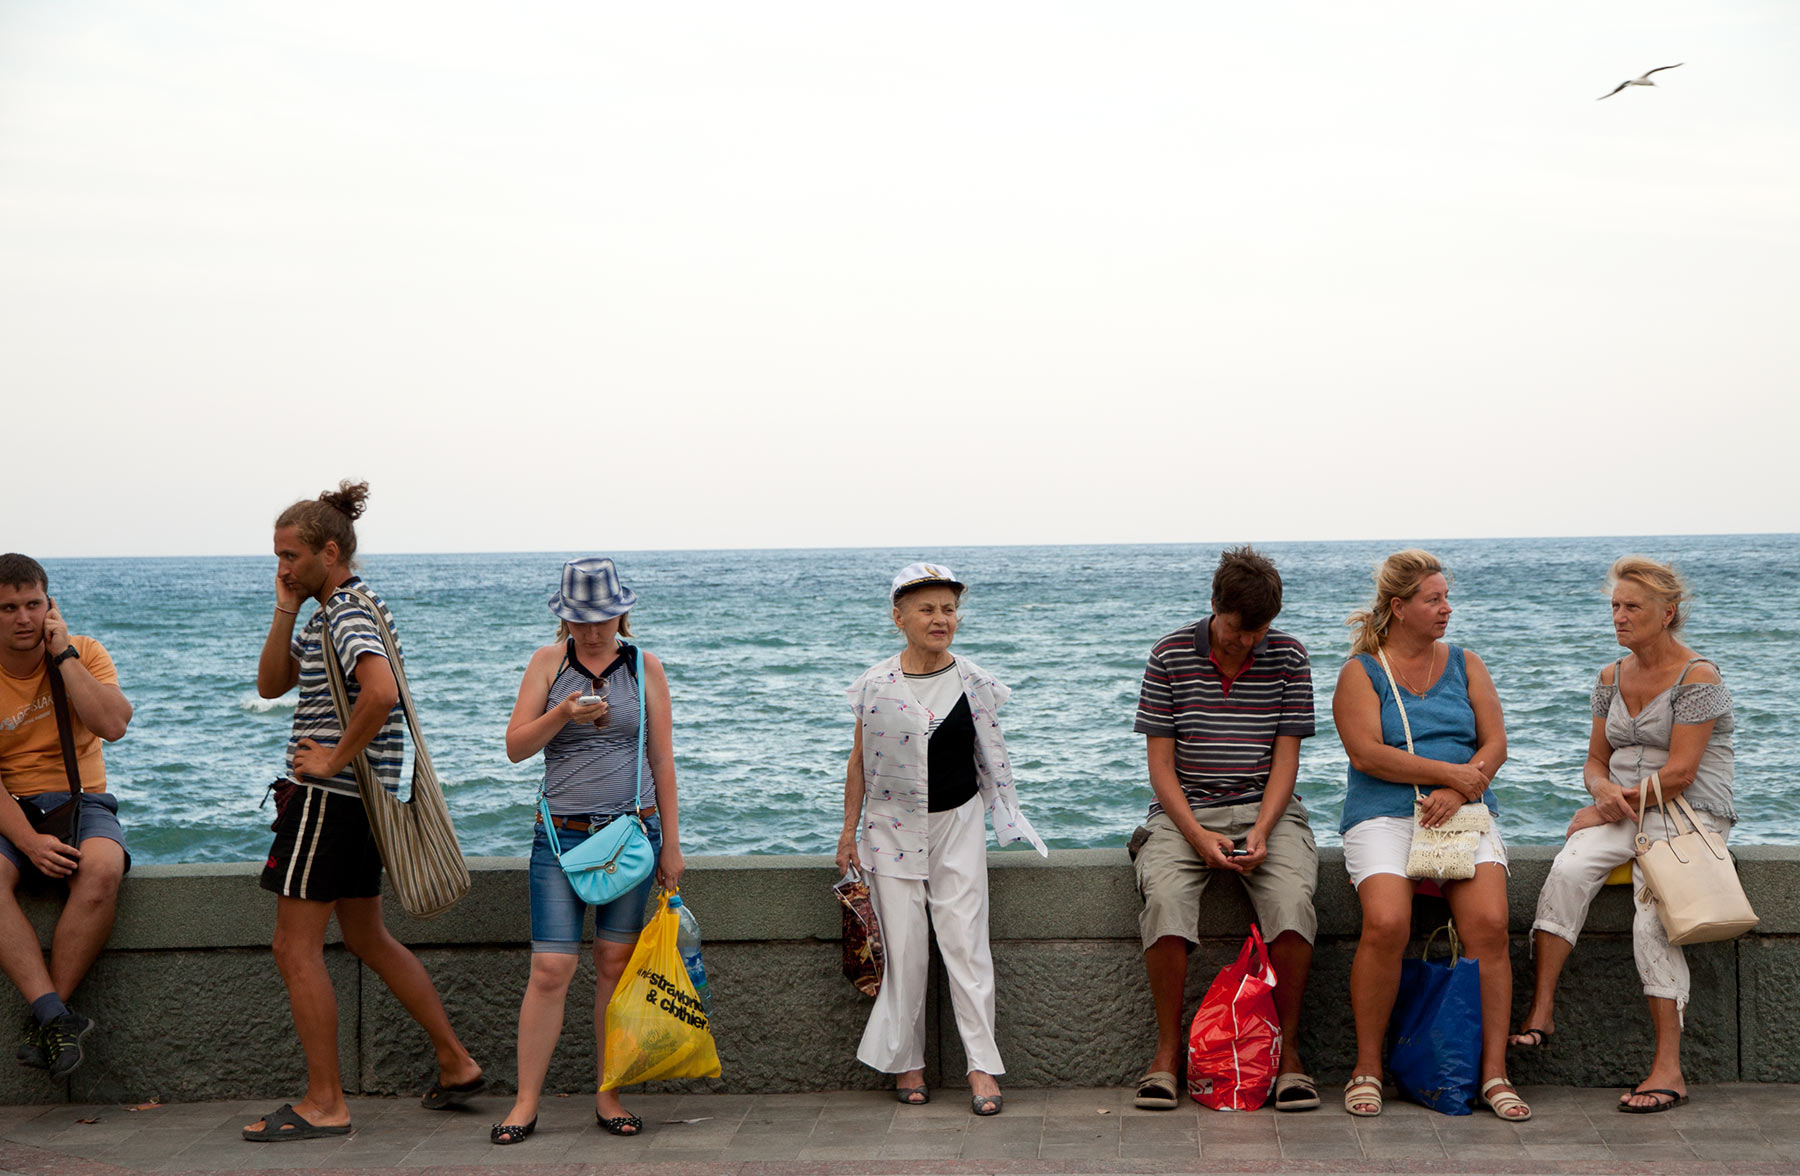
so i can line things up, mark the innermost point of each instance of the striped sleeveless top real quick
(589, 770)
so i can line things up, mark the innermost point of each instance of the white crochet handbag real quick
(1445, 853)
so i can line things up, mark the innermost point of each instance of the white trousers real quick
(1580, 871)
(956, 892)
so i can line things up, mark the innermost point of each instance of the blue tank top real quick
(1443, 728)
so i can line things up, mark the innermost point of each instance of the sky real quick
(603, 276)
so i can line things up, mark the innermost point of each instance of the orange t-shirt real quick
(31, 759)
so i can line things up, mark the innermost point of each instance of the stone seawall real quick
(191, 1007)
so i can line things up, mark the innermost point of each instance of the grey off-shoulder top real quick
(1640, 744)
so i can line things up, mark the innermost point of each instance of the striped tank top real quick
(589, 770)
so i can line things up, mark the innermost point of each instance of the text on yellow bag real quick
(655, 1027)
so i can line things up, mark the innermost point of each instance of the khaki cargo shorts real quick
(1171, 875)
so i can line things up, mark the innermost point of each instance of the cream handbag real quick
(1690, 877)
(1445, 853)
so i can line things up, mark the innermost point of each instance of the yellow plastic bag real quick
(655, 1027)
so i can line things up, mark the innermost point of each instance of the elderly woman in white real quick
(927, 765)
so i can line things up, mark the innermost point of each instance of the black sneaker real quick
(62, 1042)
(31, 1049)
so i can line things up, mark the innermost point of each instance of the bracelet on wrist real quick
(292, 612)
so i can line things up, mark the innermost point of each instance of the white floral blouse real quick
(895, 785)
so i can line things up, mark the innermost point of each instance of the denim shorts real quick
(558, 913)
(99, 818)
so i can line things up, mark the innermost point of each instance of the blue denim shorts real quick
(99, 818)
(557, 912)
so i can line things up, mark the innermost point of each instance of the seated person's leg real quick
(87, 917)
(1170, 878)
(1281, 890)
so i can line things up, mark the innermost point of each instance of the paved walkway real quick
(1726, 1129)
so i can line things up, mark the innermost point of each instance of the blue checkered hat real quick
(591, 592)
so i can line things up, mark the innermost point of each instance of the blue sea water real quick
(761, 644)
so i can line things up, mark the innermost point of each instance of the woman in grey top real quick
(1661, 708)
(580, 703)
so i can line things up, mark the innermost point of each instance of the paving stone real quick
(987, 1147)
(793, 1137)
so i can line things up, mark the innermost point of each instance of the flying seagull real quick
(1643, 81)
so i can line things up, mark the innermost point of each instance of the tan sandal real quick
(1156, 1091)
(1505, 1101)
(1361, 1091)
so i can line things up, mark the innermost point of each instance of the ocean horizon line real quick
(366, 554)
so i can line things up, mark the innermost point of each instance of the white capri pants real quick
(956, 891)
(1580, 871)
(1381, 845)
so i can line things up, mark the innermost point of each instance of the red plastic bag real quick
(1234, 1047)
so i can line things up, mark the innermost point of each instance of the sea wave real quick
(262, 706)
(757, 672)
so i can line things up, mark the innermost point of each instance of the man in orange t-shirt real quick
(34, 638)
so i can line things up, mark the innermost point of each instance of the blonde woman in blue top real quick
(1458, 743)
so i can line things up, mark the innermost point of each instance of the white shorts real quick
(1380, 845)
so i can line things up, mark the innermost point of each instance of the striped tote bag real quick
(417, 841)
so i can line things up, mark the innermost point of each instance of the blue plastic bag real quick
(1435, 1058)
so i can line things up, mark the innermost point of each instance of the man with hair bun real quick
(324, 861)
(1225, 702)
(87, 852)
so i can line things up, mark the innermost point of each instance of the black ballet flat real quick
(509, 1133)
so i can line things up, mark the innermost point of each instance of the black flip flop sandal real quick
(285, 1123)
(1541, 1039)
(1657, 1107)
(443, 1098)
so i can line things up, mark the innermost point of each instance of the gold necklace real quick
(1430, 666)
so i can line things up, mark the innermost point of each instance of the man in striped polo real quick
(324, 862)
(1225, 702)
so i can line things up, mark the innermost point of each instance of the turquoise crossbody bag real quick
(613, 861)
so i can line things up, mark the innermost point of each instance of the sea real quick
(760, 646)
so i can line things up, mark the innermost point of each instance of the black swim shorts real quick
(323, 849)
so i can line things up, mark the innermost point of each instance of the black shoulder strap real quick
(65, 727)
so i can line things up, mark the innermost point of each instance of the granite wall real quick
(190, 1005)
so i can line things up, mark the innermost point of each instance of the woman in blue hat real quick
(927, 767)
(579, 704)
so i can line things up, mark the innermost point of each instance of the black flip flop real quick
(1543, 1037)
(443, 1098)
(285, 1123)
(1675, 1100)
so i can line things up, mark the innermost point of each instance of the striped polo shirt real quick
(353, 634)
(1224, 731)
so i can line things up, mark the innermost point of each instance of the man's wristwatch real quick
(68, 652)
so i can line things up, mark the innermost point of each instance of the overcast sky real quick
(560, 276)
